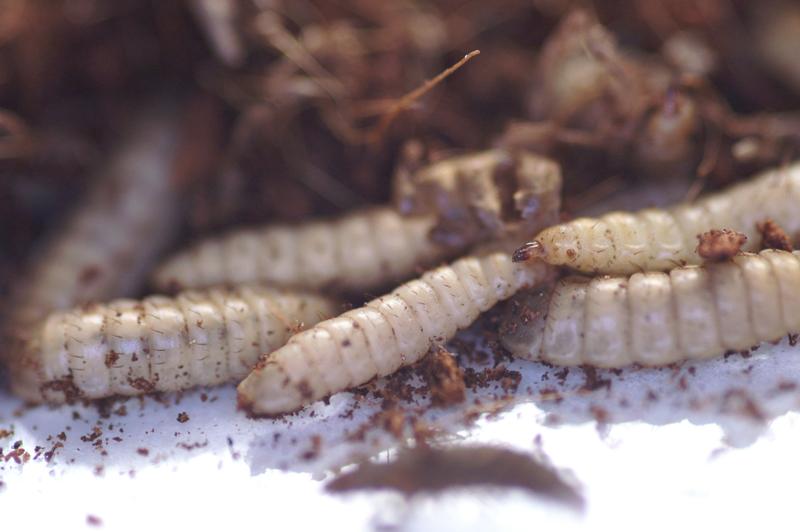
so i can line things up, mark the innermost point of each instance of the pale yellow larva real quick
(656, 318)
(389, 332)
(127, 347)
(481, 196)
(661, 239)
(106, 247)
(360, 251)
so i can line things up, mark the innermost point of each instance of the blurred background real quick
(280, 100)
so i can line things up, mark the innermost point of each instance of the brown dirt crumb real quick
(92, 436)
(773, 236)
(445, 379)
(183, 417)
(719, 245)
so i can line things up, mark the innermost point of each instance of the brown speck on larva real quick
(773, 236)
(719, 245)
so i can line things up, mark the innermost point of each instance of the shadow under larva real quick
(654, 318)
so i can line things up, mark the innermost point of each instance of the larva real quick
(480, 196)
(110, 241)
(359, 251)
(657, 239)
(656, 318)
(389, 332)
(163, 344)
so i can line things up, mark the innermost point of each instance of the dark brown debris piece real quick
(773, 236)
(445, 379)
(719, 245)
(430, 469)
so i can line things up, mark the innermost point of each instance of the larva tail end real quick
(528, 251)
(268, 392)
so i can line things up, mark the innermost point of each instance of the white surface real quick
(689, 457)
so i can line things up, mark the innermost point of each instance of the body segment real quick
(389, 332)
(655, 318)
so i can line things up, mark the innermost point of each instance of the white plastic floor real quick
(707, 444)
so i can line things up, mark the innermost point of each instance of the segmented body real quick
(108, 244)
(166, 344)
(658, 239)
(359, 251)
(658, 318)
(389, 332)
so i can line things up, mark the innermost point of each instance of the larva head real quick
(528, 251)
(562, 243)
(523, 321)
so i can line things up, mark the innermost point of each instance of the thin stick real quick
(405, 102)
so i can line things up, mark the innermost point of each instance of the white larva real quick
(480, 196)
(105, 249)
(360, 251)
(657, 318)
(661, 239)
(164, 344)
(389, 332)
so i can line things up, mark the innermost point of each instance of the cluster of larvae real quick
(244, 310)
(243, 295)
(654, 318)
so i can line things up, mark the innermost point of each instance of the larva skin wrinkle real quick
(621, 243)
(109, 243)
(127, 347)
(389, 332)
(656, 318)
(359, 251)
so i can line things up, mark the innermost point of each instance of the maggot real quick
(661, 239)
(389, 332)
(359, 251)
(481, 196)
(657, 318)
(104, 249)
(127, 347)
